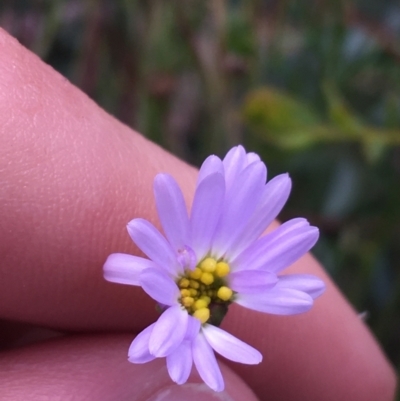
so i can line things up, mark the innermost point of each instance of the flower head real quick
(211, 258)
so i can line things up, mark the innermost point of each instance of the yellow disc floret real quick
(204, 288)
(207, 278)
(187, 301)
(194, 284)
(224, 293)
(222, 269)
(200, 304)
(206, 298)
(208, 265)
(202, 314)
(196, 273)
(183, 282)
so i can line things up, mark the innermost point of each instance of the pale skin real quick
(71, 178)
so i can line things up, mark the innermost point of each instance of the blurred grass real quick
(313, 87)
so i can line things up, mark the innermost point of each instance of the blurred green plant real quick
(286, 122)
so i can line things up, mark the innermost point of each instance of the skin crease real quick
(71, 178)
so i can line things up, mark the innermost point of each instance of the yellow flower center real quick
(205, 287)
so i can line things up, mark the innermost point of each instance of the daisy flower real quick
(211, 258)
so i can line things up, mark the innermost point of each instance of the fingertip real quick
(72, 177)
(95, 368)
(325, 354)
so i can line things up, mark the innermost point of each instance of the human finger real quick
(73, 176)
(91, 368)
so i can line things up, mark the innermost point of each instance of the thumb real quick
(91, 368)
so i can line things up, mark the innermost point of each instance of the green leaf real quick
(340, 115)
(277, 113)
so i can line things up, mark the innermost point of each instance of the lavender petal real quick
(206, 363)
(125, 269)
(179, 363)
(168, 332)
(274, 197)
(308, 283)
(252, 281)
(206, 211)
(213, 164)
(231, 347)
(241, 201)
(234, 162)
(154, 245)
(278, 301)
(160, 286)
(278, 250)
(255, 250)
(193, 328)
(187, 257)
(252, 157)
(139, 349)
(171, 210)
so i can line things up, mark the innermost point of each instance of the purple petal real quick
(139, 349)
(280, 249)
(278, 301)
(230, 347)
(187, 258)
(206, 211)
(252, 157)
(234, 162)
(308, 283)
(171, 210)
(289, 250)
(159, 286)
(125, 269)
(289, 226)
(179, 363)
(241, 200)
(193, 328)
(250, 281)
(168, 331)
(206, 363)
(154, 245)
(274, 197)
(253, 252)
(213, 164)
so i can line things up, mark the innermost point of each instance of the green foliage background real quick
(313, 87)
